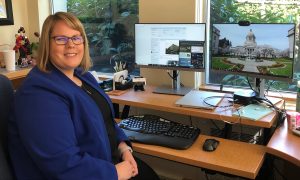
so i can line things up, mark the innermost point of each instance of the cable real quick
(268, 88)
(240, 122)
(281, 112)
(205, 100)
(250, 84)
(206, 176)
(215, 124)
(175, 78)
(191, 122)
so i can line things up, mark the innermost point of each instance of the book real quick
(253, 111)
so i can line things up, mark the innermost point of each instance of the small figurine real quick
(23, 46)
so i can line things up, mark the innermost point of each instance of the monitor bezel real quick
(253, 74)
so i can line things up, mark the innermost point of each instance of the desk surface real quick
(232, 157)
(18, 73)
(163, 102)
(285, 144)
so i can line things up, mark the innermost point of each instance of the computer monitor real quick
(264, 51)
(171, 46)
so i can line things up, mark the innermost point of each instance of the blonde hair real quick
(44, 44)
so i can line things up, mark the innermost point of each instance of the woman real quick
(64, 125)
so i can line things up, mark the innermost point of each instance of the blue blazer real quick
(58, 132)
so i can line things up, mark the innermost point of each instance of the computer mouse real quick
(210, 145)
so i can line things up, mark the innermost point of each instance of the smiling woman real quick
(6, 13)
(75, 136)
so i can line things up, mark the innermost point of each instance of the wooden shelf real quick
(17, 74)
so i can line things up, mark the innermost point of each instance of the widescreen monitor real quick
(258, 50)
(177, 46)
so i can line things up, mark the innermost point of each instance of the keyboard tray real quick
(155, 130)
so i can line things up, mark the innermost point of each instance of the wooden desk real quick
(231, 157)
(18, 73)
(16, 76)
(163, 102)
(285, 144)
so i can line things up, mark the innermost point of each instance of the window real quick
(109, 25)
(255, 11)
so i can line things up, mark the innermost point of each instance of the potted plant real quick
(34, 49)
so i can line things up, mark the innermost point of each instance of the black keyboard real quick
(155, 130)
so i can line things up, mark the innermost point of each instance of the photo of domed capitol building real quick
(266, 49)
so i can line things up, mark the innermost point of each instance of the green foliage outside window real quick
(109, 25)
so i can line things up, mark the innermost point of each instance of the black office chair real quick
(6, 99)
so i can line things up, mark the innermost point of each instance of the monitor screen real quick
(260, 50)
(170, 46)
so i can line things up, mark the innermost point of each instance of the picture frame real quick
(6, 13)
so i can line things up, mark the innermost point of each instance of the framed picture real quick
(6, 13)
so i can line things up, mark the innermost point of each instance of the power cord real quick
(175, 78)
(206, 101)
(281, 112)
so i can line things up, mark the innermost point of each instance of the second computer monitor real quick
(259, 50)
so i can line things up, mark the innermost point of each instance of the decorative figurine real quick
(23, 46)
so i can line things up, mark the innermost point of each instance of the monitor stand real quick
(176, 89)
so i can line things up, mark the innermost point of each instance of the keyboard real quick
(155, 130)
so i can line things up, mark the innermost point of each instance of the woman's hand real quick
(126, 155)
(124, 170)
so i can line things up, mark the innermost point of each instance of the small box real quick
(293, 120)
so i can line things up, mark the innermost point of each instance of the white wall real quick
(20, 14)
(27, 13)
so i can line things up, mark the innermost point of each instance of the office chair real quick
(6, 100)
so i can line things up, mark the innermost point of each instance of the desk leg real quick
(267, 132)
(116, 109)
(125, 112)
(227, 131)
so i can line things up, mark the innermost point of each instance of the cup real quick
(9, 57)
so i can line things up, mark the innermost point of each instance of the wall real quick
(20, 14)
(27, 13)
(170, 11)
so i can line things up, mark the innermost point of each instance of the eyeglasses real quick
(63, 40)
